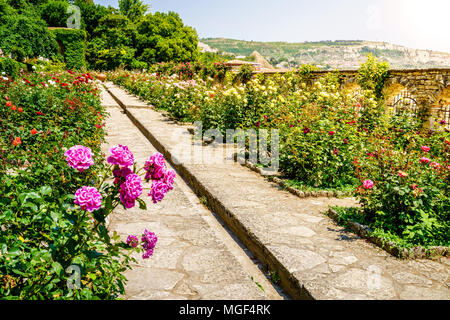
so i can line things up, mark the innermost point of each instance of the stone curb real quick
(288, 281)
(397, 251)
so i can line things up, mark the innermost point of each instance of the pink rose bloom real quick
(158, 191)
(121, 156)
(414, 186)
(149, 240)
(88, 198)
(132, 241)
(121, 173)
(424, 160)
(169, 178)
(331, 133)
(155, 167)
(435, 165)
(130, 190)
(425, 148)
(368, 184)
(79, 157)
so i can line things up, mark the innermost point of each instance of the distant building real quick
(234, 65)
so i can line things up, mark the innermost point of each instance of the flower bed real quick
(54, 201)
(330, 139)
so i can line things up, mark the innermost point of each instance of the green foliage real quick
(54, 12)
(91, 15)
(133, 9)
(113, 43)
(73, 42)
(372, 75)
(11, 67)
(164, 37)
(245, 73)
(23, 34)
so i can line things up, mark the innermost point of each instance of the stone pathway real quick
(313, 256)
(195, 258)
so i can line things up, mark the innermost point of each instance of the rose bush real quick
(54, 200)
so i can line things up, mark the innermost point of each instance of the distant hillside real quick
(343, 54)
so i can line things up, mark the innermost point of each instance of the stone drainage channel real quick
(313, 258)
(197, 256)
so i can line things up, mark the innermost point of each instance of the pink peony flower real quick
(130, 190)
(158, 191)
(168, 179)
(368, 184)
(121, 174)
(424, 160)
(331, 133)
(88, 198)
(79, 157)
(425, 148)
(132, 241)
(155, 167)
(121, 156)
(149, 240)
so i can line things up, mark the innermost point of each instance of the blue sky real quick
(420, 24)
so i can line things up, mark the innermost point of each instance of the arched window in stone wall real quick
(399, 99)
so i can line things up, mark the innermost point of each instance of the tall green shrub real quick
(10, 66)
(73, 42)
(164, 37)
(372, 75)
(23, 34)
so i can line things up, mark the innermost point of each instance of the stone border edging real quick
(397, 251)
(288, 281)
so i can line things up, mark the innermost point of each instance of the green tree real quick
(163, 37)
(113, 43)
(54, 12)
(91, 15)
(133, 9)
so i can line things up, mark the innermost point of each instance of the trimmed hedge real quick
(11, 67)
(73, 43)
